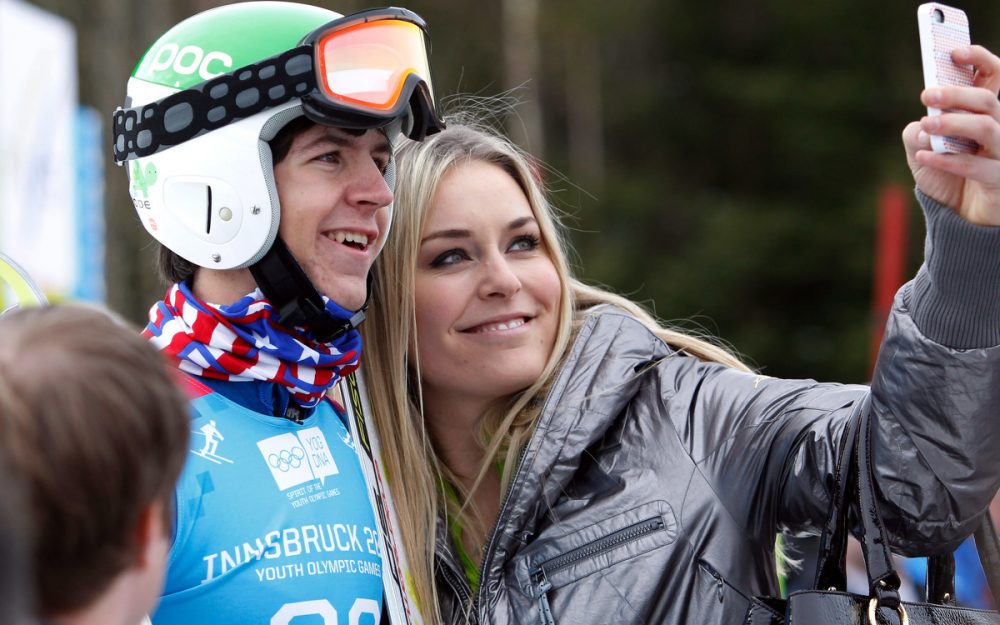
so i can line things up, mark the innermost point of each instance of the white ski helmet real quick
(208, 95)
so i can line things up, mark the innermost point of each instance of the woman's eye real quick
(450, 257)
(523, 243)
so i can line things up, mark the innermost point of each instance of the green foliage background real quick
(743, 144)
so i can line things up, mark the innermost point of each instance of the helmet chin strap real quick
(293, 295)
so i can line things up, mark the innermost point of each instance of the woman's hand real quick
(969, 183)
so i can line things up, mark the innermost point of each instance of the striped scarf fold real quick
(245, 341)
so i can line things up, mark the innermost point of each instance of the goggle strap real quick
(145, 130)
(292, 294)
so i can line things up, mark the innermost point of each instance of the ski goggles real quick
(361, 71)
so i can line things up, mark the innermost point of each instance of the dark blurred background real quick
(721, 161)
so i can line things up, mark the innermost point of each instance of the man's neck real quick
(222, 287)
(116, 606)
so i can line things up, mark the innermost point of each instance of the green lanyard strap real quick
(455, 528)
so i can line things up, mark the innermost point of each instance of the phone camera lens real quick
(938, 16)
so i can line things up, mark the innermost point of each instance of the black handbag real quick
(830, 604)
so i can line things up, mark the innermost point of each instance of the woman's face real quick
(487, 292)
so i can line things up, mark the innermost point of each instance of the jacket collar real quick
(601, 375)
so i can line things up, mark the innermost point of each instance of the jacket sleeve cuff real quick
(955, 298)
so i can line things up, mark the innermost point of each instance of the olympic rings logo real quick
(287, 459)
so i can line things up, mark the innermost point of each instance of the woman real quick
(558, 457)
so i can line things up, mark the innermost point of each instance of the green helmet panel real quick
(223, 39)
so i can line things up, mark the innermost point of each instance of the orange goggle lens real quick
(366, 65)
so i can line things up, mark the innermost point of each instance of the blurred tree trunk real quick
(111, 37)
(584, 111)
(523, 72)
(114, 40)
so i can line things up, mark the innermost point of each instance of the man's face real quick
(334, 211)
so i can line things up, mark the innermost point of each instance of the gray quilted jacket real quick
(654, 485)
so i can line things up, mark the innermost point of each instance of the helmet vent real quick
(208, 209)
(191, 202)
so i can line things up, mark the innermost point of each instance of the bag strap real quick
(855, 482)
(988, 546)
(939, 587)
(854, 477)
(831, 564)
(883, 581)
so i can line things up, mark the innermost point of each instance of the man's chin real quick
(347, 294)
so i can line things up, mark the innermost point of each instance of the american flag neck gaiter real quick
(245, 341)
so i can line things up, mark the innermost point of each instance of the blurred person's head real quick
(14, 537)
(96, 430)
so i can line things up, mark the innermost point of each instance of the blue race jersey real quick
(273, 523)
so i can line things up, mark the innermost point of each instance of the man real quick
(258, 140)
(94, 429)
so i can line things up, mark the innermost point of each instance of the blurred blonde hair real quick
(415, 472)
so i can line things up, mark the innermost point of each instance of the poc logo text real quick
(191, 59)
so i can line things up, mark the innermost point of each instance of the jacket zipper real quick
(544, 611)
(720, 582)
(716, 576)
(594, 548)
(491, 545)
(457, 586)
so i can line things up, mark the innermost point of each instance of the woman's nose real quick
(499, 279)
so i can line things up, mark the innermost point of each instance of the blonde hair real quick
(415, 472)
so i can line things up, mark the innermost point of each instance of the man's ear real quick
(150, 535)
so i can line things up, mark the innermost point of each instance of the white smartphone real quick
(942, 29)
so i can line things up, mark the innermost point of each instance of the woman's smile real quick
(504, 325)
